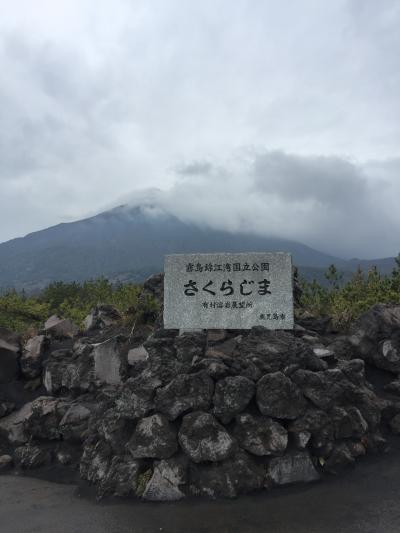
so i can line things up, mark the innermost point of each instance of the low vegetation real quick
(21, 313)
(343, 301)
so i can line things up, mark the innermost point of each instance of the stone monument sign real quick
(230, 291)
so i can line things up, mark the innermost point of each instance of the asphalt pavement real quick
(363, 500)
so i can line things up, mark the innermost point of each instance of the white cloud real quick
(100, 99)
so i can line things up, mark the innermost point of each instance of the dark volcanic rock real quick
(202, 438)
(315, 422)
(60, 328)
(185, 392)
(154, 286)
(114, 429)
(121, 477)
(66, 370)
(9, 355)
(163, 363)
(6, 408)
(46, 415)
(154, 437)
(12, 427)
(348, 422)
(103, 315)
(29, 456)
(231, 397)
(395, 424)
(6, 462)
(115, 475)
(95, 462)
(291, 468)
(238, 475)
(32, 356)
(340, 457)
(279, 397)
(387, 356)
(285, 406)
(74, 424)
(136, 397)
(272, 351)
(378, 324)
(190, 345)
(260, 435)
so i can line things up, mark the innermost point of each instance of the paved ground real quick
(366, 500)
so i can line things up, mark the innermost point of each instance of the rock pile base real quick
(211, 414)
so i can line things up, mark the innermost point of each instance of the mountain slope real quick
(130, 241)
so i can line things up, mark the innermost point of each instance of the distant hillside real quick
(130, 244)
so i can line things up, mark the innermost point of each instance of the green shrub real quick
(346, 302)
(74, 300)
(18, 313)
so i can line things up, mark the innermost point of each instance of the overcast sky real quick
(280, 117)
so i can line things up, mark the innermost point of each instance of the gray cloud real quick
(97, 101)
(340, 207)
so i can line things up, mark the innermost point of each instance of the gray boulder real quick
(202, 438)
(66, 370)
(114, 429)
(379, 323)
(163, 363)
(323, 389)
(185, 392)
(387, 355)
(110, 363)
(348, 423)
(138, 359)
(291, 468)
(45, 417)
(190, 345)
(167, 479)
(29, 456)
(154, 287)
(237, 475)
(136, 397)
(114, 475)
(103, 315)
(272, 351)
(393, 387)
(301, 439)
(340, 457)
(231, 397)
(32, 357)
(394, 424)
(6, 462)
(60, 328)
(95, 463)
(153, 437)
(278, 397)
(314, 424)
(260, 435)
(121, 478)
(74, 424)
(6, 408)
(13, 426)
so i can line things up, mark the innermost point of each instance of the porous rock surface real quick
(212, 414)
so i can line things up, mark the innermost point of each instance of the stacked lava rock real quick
(206, 413)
